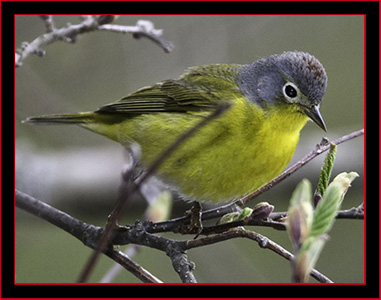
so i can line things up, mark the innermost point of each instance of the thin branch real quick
(174, 249)
(157, 163)
(58, 218)
(263, 242)
(176, 225)
(86, 233)
(137, 234)
(141, 233)
(126, 188)
(70, 32)
(123, 260)
(322, 147)
(352, 213)
(49, 23)
(111, 274)
(143, 28)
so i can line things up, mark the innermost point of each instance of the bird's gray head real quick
(291, 77)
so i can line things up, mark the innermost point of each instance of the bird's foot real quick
(195, 214)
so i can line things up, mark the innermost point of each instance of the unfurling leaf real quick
(328, 207)
(300, 214)
(326, 170)
(307, 257)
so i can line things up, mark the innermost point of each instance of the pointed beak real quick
(314, 114)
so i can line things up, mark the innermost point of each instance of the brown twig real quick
(70, 32)
(86, 233)
(131, 266)
(141, 234)
(142, 28)
(263, 242)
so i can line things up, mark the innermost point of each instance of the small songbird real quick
(248, 145)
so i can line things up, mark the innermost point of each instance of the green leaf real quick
(307, 231)
(300, 214)
(235, 216)
(307, 257)
(326, 170)
(246, 212)
(228, 218)
(328, 207)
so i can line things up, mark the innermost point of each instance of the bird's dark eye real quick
(290, 91)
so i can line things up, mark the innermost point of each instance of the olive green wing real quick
(166, 96)
(199, 89)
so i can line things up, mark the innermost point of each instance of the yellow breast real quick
(229, 158)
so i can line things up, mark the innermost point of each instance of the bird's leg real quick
(195, 214)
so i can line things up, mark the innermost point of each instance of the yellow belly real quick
(229, 158)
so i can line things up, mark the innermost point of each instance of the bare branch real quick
(322, 147)
(58, 218)
(142, 28)
(86, 233)
(49, 23)
(262, 241)
(142, 233)
(70, 32)
(131, 266)
(353, 213)
(137, 234)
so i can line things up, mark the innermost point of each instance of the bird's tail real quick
(78, 119)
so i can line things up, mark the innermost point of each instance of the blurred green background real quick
(79, 172)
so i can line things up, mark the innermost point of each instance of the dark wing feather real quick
(199, 89)
(166, 96)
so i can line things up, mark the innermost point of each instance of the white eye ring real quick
(290, 91)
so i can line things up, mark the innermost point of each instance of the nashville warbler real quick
(248, 145)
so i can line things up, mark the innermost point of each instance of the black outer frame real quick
(371, 289)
